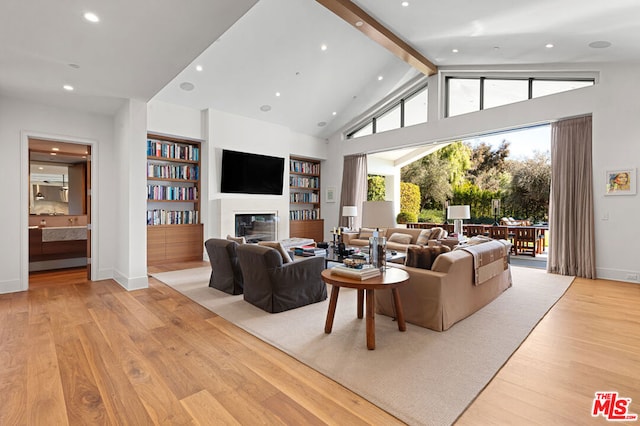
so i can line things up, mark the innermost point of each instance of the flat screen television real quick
(245, 173)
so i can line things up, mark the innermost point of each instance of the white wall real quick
(18, 118)
(129, 172)
(616, 135)
(229, 131)
(220, 130)
(391, 173)
(175, 120)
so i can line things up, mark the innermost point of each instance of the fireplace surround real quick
(256, 226)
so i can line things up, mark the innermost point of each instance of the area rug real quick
(422, 377)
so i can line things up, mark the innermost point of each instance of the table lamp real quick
(458, 214)
(350, 212)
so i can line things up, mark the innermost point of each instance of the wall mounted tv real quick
(245, 173)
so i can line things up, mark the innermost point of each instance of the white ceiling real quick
(135, 50)
(142, 46)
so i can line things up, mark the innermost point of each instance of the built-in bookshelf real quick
(174, 231)
(304, 199)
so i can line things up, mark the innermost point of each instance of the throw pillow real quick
(436, 233)
(424, 237)
(239, 240)
(418, 257)
(397, 237)
(424, 256)
(278, 246)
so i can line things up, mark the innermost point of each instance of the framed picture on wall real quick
(621, 182)
(331, 194)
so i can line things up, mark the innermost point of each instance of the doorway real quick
(59, 198)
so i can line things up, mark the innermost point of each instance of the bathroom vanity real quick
(55, 247)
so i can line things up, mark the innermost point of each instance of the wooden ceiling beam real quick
(373, 29)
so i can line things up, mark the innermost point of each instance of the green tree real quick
(410, 199)
(489, 168)
(484, 159)
(530, 186)
(431, 174)
(458, 155)
(376, 189)
(438, 172)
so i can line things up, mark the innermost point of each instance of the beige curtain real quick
(571, 218)
(354, 187)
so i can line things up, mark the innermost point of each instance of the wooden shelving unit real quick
(174, 230)
(304, 199)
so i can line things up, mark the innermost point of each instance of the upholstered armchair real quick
(275, 286)
(225, 269)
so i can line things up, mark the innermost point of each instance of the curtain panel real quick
(571, 217)
(354, 187)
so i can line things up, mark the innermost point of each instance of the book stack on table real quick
(309, 250)
(366, 272)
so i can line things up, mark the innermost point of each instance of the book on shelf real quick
(367, 271)
(172, 150)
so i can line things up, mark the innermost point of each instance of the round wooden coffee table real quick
(390, 279)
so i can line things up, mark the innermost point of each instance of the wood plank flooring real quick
(79, 352)
(588, 342)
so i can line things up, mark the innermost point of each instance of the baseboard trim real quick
(135, 283)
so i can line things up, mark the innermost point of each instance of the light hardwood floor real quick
(80, 352)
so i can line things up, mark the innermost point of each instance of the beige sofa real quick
(440, 297)
(354, 239)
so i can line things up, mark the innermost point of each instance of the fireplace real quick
(256, 227)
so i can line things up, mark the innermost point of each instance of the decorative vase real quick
(378, 252)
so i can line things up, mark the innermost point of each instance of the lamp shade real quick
(459, 212)
(349, 211)
(378, 214)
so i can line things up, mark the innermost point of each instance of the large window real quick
(407, 111)
(469, 94)
(464, 95)
(389, 120)
(416, 108)
(503, 92)
(548, 87)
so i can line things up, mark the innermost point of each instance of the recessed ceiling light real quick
(601, 44)
(198, 67)
(405, 3)
(322, 124)
(76, 66)
(454, 50)
(40, 168)
(323, 47)
(265, 108)
(359, 23)
(91, 17)
(380, 78)
(334, 113)
(68, 87)
(52, 153)
(186, 86)
(55, 149)
(549, 45)
(278, 94)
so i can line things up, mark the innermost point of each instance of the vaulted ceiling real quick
(250, 51)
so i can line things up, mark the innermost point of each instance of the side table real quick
(390, 279)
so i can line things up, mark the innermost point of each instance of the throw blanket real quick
(489, 259)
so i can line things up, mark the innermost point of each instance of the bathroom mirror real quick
(58, 177)
(57, 188)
